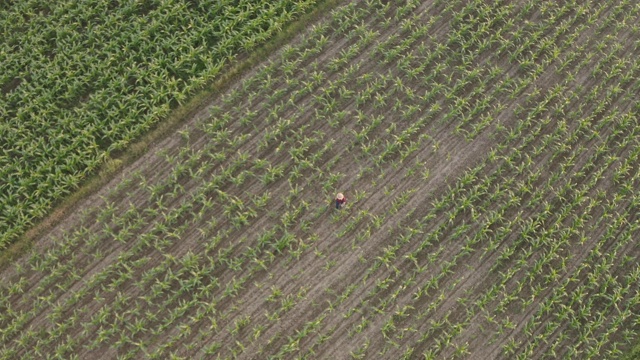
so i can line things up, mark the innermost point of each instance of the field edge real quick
(115, 163)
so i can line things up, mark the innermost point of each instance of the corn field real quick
(80, 80)
(489, 151)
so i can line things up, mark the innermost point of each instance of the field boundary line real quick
(115, 163)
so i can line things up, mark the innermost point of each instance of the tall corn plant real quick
(82, 80)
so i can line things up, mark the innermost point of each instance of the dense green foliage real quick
(81, 79)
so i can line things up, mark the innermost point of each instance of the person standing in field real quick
(340, 200)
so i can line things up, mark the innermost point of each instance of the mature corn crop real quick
(79, 80)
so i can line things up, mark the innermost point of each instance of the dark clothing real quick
(340, 202)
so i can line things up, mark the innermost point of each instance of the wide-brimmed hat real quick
(340, 196)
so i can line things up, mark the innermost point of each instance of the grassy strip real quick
(115, 164)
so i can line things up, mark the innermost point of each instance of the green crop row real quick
(80, 80)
